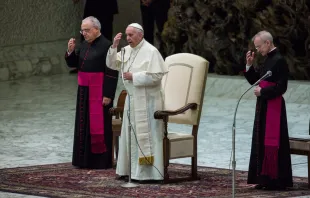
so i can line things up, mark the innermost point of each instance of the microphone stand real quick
(234, 132)
(129, 184)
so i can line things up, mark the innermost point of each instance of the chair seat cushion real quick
(303, 145)
(181, 145)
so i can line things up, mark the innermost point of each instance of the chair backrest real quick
(121, 103)
(121, 99)
(185, 83)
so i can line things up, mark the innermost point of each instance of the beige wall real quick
(34, 34)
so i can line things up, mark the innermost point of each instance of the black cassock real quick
(90, 59)
(279, 68)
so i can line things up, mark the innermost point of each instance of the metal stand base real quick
(130, 185)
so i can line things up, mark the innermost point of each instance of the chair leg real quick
(116, 146)
(166, 159)
(113, 144)
(309, 170)
(194, 158)
(194, 167)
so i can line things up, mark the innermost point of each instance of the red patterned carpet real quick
(63, 180)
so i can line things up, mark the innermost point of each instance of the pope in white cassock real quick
(142, 68)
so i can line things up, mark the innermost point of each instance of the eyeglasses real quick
(85, 30)
(258, 47)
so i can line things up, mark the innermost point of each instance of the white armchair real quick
(184, 87)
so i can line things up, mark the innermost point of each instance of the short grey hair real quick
(264, 35)
(95, 22)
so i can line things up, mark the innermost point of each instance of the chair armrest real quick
(163, 114)
(116, 110)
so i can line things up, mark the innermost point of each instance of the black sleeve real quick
(281, 71)
(72, 59)
(252, 75)
(110, 83)
(110, 78)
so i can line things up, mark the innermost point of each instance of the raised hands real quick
(249, 58)
(71, 45)
(116, 40)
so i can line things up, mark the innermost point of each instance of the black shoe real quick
(275, 187)
(259, 187)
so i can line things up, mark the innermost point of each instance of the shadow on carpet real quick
(63, 180)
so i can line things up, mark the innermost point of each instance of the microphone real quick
(122, 61)
(122, 53)
(123, 50)
(268, 74)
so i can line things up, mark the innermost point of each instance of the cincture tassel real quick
(148, 160)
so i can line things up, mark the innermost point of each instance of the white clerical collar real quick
(138, 46)
(272, 49)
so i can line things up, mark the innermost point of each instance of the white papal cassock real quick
(145, 97)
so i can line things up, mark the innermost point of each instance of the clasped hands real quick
(249, 58)
(257, 91)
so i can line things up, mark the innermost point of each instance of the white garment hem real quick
(141, 179)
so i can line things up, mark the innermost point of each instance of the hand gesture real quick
(71, 45)
(106, 101)
(127, 76)
(257, 91)
(116, 40)
(249, 58)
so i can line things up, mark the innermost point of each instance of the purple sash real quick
(272, 134)
(96, 118)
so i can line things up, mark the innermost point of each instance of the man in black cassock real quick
(92, 147)
(270, 161)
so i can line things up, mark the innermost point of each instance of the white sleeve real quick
(112, 59)
(247, 67)
(68, 53)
